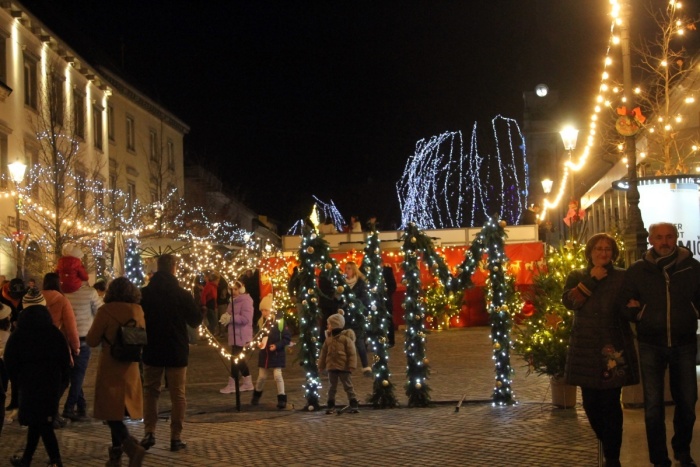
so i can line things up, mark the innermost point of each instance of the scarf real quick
(665, 262)
(351, 282)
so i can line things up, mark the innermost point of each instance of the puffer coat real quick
(338, 352)
(601, 352)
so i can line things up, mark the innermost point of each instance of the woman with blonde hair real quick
(118, 383)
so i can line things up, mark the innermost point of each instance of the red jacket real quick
(209, 294)
(71, 273)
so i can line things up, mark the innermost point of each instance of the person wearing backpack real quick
(118, 383)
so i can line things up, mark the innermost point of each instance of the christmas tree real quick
(133, 265)
(542, 338)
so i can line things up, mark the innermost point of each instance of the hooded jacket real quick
(669, 299)
(37, 357)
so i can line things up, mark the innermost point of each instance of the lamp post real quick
(17, 170)
(635, 235)
(569, 135)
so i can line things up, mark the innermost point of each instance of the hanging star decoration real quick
(553, 320)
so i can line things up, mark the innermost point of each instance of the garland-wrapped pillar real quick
(378, 323)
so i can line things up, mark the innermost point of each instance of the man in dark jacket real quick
(662, 295)
(168, 310)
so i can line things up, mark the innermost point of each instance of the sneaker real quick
(367, 371)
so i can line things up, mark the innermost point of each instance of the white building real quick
(127, 141)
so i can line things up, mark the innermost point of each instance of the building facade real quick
(93, 144)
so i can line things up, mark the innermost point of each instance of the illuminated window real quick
(97, 125)
(171, 155)
(110, 123)
(130, 134)
(78, 114)
(30, 82)
(153, 144)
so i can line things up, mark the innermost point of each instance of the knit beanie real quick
(33, 297)
(337, 321)
(266, 303)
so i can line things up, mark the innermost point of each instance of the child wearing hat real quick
(272, 354)
(339, 358)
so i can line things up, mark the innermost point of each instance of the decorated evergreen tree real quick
(133, 265)
(313, 250)
(542, 338)
(378, 322)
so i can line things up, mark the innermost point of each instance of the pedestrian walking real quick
(118, 383)
(167, 309)
(662, 294)
(85, 301)
(601, 357)
(38, 358)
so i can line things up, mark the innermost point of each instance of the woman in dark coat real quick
(601, 358)
(38, 358)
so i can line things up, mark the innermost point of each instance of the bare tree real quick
(64, 193)
(671, 79)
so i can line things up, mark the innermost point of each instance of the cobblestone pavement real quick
(531, 433)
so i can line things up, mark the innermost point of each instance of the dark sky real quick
(290, 98)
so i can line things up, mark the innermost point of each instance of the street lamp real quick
(635, 236)
(569, 135)
(547, 186)
(17, 170)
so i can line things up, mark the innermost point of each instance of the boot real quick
(281, 401)
(256, 397)
(134, 450)
(115, 457)
(330, 409)
(247, 384)
(354, 406)
(230, 387)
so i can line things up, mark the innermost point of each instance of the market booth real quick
(524, 252)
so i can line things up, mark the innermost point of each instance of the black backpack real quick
(128, 345)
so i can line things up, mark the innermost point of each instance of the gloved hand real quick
(225, 319)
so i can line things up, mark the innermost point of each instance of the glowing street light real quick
(17, 171)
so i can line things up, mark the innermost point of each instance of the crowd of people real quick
(47, 333)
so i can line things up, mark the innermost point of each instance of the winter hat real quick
(5, 311)
(71, 249)
(33, 297)
(266, 302)
(17, 288)
(337, 321)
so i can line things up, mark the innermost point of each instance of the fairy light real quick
(442, 183)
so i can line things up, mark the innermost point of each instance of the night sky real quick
(292, 98)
